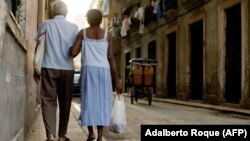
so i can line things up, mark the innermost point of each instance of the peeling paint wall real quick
(32, 98)
(18, 92)
(12, 85)
(2, 28)
(213, 16)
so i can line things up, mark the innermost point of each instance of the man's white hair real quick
(59, 7)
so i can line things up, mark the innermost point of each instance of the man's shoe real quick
(50, 137)
(66, 139)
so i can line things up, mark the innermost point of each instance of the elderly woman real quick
(57, 71)
(95, 44)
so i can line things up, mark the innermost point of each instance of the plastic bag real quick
(118, 117)
(39, 55)
(39, 52)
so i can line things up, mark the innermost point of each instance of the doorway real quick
(152, 50)
(152, 55)
(127, 68)
(171, 76)
(233, 54)
(196, 68)
(138, 52)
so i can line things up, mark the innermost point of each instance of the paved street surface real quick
(75, 132)
(164, 112)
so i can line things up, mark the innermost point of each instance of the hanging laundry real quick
(126, 22)
(159, 12)
(105, 7)
(141, 27)
(155, 5)
(139, 14)
(149, 15)
(162, 6)
(116, 21)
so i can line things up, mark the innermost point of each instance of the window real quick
(152, 50)
(17, 8)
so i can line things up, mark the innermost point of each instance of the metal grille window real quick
(17, 7)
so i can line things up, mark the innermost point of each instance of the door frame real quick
(222, 48)
(190, 21)
(170, 30)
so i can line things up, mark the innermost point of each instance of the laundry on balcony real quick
(116, 26)
(105, 7)
(139, 14)
(190, 4)
(116, 21)
(126, 22)
(150, 16)
(168, 8)
(155, 5)
(157, 9)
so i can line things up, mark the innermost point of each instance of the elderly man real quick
(57, 71)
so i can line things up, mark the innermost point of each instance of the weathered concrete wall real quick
(32, 95)
(245, 102)
(17, 89)
(12, 81)
(213, 50)
(12, 90)
(211, 53)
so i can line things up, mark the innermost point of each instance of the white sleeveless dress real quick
(96, 84)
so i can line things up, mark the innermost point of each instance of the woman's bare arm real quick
(76, 48)
(112, 62)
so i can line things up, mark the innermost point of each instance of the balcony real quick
(190, 4)
(171, 13)
(125, 3)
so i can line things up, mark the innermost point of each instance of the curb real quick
(202, 105)
(207, 106)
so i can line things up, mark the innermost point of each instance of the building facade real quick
(20, 101)
(201, 47)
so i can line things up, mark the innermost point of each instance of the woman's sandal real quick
(67, 139)
(90, 138)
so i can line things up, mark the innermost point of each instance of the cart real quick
(142, 76)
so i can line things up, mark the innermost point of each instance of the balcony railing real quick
(125, 3)
(190, 4)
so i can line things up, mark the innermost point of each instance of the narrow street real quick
(191, 55)
(165, 113)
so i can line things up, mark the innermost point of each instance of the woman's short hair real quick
(94, 16)
(59, 8)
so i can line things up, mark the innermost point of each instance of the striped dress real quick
(96, 85)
